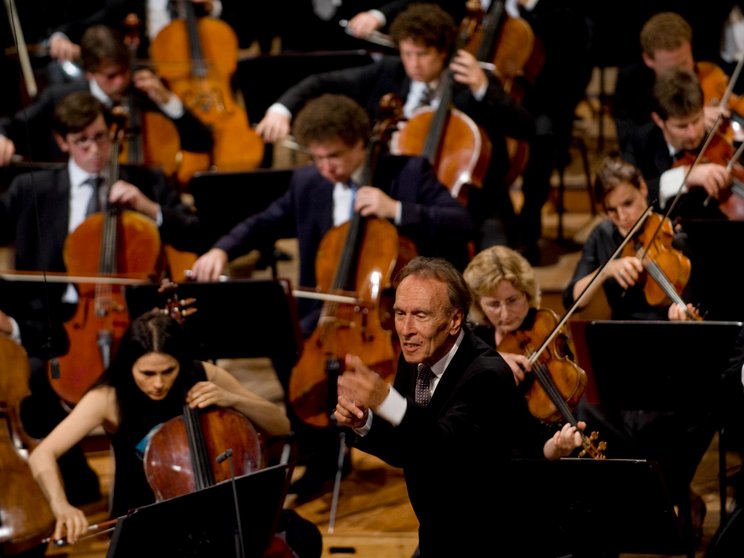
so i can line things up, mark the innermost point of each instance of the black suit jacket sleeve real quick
(180, 227)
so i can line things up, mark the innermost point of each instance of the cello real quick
(25, 516)
(511, 45)
(457, 147)
(360, 256)
(107, 243)
(198, 59)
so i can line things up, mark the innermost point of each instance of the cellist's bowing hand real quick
(565, 441)
(373, 202)
(363, 24)
(467, 70)
(61, 48)
(274, 126)
(519, 364)
(145, 80)
(210, 265)
(711, 176)
(70, 524)
(203, 394)
(626, 271)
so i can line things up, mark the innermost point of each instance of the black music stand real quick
(714, 284)
(680, 369)
(202, 524)
(223, 199)
(263, 79)
(586, 506)
(248, 318)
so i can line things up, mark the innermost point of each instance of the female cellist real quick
(624, 195)
(336, 131)
(151, 377)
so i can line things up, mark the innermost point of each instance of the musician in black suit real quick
(37, 213)
(426, 38)
(403, 190)
(110, 78)
(470, 402)
(678, 130)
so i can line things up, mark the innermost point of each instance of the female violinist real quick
(151, 377)
(405, 191)
(623, 193)
(506, 303)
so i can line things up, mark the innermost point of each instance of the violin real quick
(26, 518)
(210, 48)
(720, 151)
(560, 381)
(667, 266)
(106, 243)
(361, 256)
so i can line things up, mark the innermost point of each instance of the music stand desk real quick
(202, 524)
(658, 366)
(224, 199)
(246, 318)
(587, 505)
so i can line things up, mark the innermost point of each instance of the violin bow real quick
(577, 302)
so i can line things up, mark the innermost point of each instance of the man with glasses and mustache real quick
(37, 212)
(111, 79)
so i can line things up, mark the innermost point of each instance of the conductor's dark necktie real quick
(423, 377)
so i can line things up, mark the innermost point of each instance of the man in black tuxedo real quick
(110, 78)
(405, 191)
(436, 428)
(426, 36)
(678, 129)
(37, 212)
(666, 43)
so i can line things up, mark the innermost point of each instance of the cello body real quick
(197, 57)
(363, 329)
(126, 243)
(170, 464)
(458, 148)
(25, 516)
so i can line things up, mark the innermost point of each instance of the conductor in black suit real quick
(111, 79)
(438, 428)
(426, 37)
(37, 213)
(404, 190)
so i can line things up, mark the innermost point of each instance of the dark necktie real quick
(423, 377)
(94, 203)
(427, 95)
